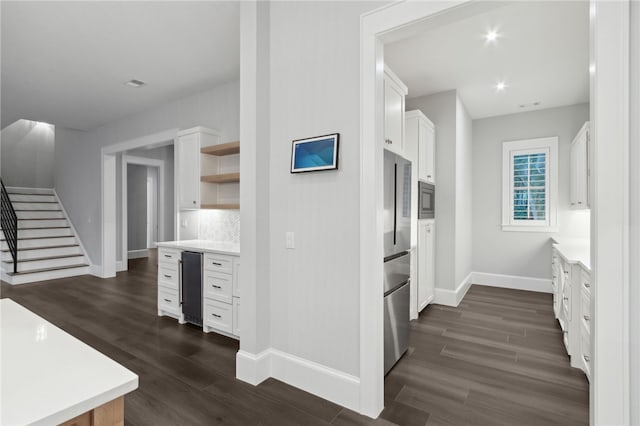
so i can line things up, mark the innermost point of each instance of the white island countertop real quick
(49, 376)
(204, 246)
(574, 250)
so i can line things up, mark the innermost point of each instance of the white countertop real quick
(49, 376)
(574, 250)
(204, 245)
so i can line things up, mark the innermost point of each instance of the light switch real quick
(290, 244)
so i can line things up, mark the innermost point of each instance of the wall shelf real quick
(221, 178)
(220, 206)
(223, 149)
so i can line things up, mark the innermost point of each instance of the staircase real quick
(47, 246)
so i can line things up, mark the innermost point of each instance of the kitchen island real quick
(49, 377)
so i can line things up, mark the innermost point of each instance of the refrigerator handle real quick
(180, 281)
(395, 202)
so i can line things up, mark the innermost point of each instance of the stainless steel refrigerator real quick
(397, 242)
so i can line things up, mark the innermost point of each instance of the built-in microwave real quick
(426, 200)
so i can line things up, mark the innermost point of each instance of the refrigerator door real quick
(389, 182)
(403, 205)
(192, 287)
(396, 326)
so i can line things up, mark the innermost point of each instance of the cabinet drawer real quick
(585, 347)
(218, 315)
(168, 300)
(168, 275)
(218, 262)
(218, 286)
(585, 310)
(168, 255)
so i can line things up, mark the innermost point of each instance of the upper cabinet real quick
(207, 171)
(394, 94)
(580, 169)
(420, 133)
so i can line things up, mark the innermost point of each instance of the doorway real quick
(609, 45)
(142, 209)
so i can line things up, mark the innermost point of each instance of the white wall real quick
(525, 254)
(464, 191)
(77, 158)
(136, 207)
(314, 90)
(27, 154)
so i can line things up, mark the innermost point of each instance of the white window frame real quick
(549, 146)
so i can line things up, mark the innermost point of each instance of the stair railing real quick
(9, 222)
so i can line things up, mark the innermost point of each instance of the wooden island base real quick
(109, 414)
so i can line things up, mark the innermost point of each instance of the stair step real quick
(33, 198)
(40, 214)
(47, 263)
(41, 252)
(20, 206)
(46, 274)
(30, 191)
(40, 242)
(24, 234)
(42, 223)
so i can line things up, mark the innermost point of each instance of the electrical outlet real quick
(290, 244)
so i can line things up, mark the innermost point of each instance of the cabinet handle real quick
(573, 204)
(587, 317)
(216, 315)
(167, 300)
(216, 263)
(388, 141)
(586, 357)
(215, 286)
(167, 276)
(579, 202)
(565, 332)
(428, 176)
(168, 255)
(555, 276)
(587, 285)
(565, 298)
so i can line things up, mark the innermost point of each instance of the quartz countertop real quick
(49, 376)
(574, 250)
(204, 245)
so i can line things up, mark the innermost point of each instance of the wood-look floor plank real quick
(496, 359)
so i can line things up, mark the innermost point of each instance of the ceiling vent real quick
(135, 83)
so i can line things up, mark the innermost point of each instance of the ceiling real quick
(541, 54)
(65, 62)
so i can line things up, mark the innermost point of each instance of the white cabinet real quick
(580, 169)
(169, 283)
(420, 132)
(394, 94)
(426, 262)
(586, 319)
(207, 171)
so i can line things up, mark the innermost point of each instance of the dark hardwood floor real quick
(497, 359)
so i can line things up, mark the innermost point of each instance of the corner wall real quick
(28, 154)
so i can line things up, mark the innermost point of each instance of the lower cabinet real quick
(571, 284)
(426, 262)
(220, 290)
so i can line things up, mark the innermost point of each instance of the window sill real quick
(519, 228)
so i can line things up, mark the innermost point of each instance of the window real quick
(529, 185)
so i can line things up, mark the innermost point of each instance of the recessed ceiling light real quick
(500, 86)
(491, 36)
(135, 83)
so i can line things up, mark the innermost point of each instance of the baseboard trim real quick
(135, 254)
(333, 385)
(515, 282)
(453, 297)
(96, 271)
(253, 368)
(120, 266)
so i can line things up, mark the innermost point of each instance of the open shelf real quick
(221, 178)
(220, 206)
(223, 149)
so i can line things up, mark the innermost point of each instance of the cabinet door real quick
(189, 171)
(427, 153)
(579, 170)
(426, 263)
(393, 117)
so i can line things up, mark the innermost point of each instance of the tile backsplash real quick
(220, 225)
